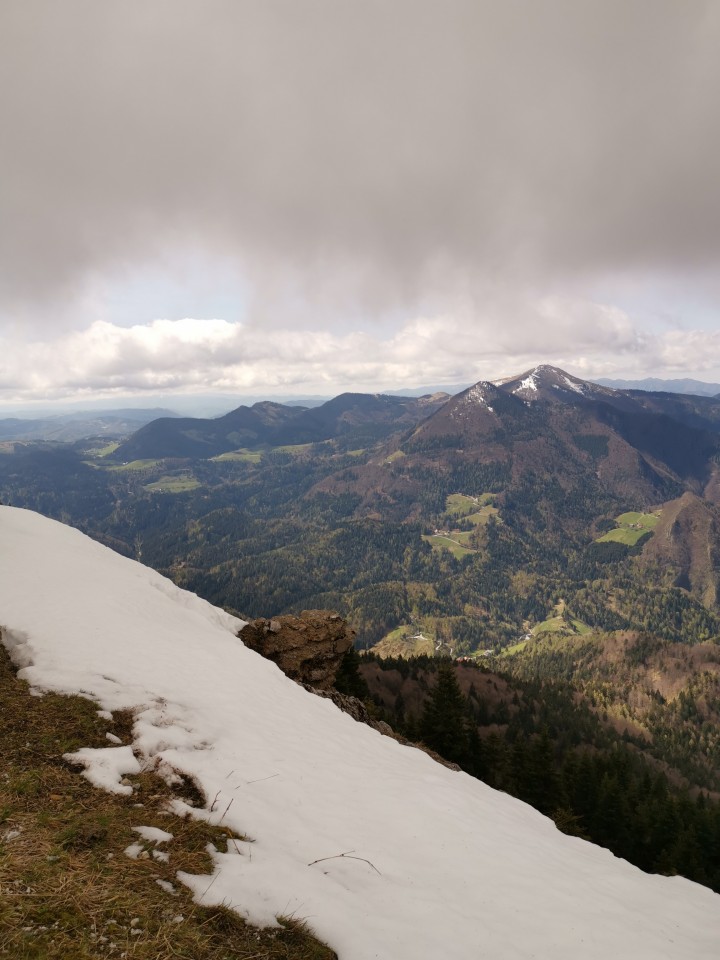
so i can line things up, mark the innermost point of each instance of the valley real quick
(547, 529)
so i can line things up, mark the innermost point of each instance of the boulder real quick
(308, 648)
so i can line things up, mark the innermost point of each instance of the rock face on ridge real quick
(307, 648)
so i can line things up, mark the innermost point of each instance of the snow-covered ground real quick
(438, 865)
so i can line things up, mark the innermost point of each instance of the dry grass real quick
(67, 889)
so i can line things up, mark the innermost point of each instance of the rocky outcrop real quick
(308, 648)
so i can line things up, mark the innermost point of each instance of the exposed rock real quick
(350, 705)
(308, 648)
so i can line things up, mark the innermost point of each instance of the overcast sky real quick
(308, 196)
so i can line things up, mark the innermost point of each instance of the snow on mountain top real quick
(437, 864)
(477, 394)
(542, 376)
(529, 383)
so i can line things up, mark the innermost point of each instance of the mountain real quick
(594, 446)
(388, 853)
(109, 424)
(200, 438)
(695, 387)
(362, 417)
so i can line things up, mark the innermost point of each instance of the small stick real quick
(263, 778)
(346, 856)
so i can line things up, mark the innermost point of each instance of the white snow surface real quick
(446, 866)
(574, 385)
(153, 834)
(476, 394)
(529, 383)
(105, 767)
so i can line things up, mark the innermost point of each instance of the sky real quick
(384, 852)
(296, 197)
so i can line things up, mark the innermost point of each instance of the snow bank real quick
(437, 864)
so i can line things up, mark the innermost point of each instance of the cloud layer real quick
(356, 165)
(200, 356)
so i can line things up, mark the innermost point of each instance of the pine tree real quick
(444, 723)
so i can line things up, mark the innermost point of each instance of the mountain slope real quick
(198, 437)
(600, 448)
(367, 417)
(388, 854)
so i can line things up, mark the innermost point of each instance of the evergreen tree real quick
(444, 725)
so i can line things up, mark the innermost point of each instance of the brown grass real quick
(67, 890)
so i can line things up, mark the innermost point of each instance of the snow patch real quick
(529, 383)
(476, 394)
(106, 766)
(153, 834)
(578, 388)
(308, 784)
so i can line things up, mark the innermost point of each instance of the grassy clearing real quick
(398, 455)
(552, 625)
(405, 641)
(458, 506)
(296, 449)
(134, 465)
(461, 505)
(68, 890)
(631, 527)
(515, 648)
(242, 455)
(451, 543)
(559, 624)
(483, 514)
(179, 484)
(107, 449)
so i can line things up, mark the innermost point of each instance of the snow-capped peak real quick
(441, 865)
(541, 381)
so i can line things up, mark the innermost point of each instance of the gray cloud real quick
(357, 155)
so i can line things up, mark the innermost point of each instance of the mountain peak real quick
(545, 382)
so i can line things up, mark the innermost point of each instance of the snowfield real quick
(438, 865)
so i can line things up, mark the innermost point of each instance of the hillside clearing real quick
(631, 528)
(180, 484)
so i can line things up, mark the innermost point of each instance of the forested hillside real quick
(539, 742)
(570, 531)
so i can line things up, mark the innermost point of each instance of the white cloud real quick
(215, 355)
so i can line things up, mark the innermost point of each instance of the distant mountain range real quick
(67, 427)
(697, 387)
